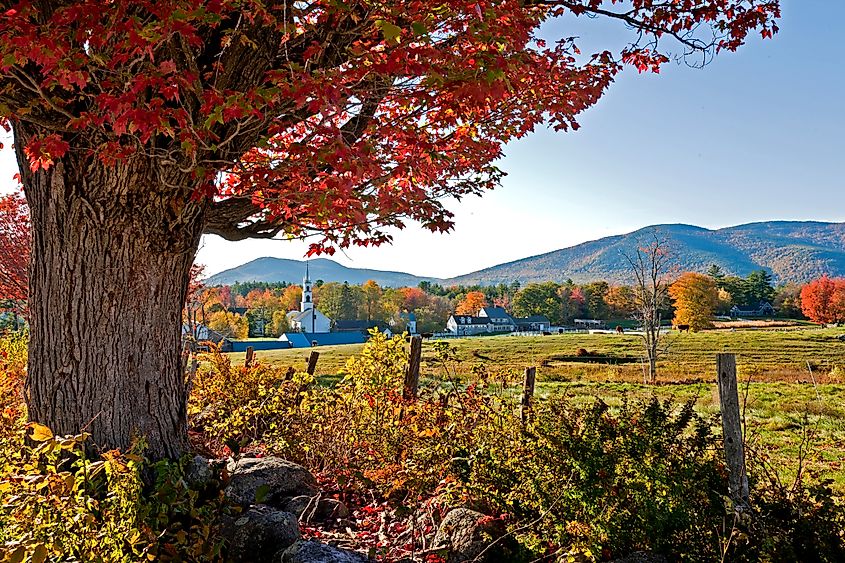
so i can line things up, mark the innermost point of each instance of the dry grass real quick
(739, 324)
(769, 355)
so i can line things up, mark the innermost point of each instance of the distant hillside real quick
(790, 250)
(292, 271)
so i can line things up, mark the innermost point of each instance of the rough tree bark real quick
(110, 265)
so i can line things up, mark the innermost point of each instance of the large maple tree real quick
(141, 125)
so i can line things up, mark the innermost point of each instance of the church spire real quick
(307, 297)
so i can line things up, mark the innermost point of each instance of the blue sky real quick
(756, 135)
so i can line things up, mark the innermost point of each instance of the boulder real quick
(201, 472)
(315, 552)
(332, 509)
(267, 480)
(467, 535)
(298, 505)
(304, 508)
(259, 533)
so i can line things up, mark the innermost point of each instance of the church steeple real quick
(307, 297)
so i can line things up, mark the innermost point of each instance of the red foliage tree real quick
(141, 125)
(413, 298)
(14, 251)
(823, 300)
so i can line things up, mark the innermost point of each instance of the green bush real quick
(603, 484)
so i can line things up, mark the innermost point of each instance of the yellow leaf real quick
(17, 555)
(40, 433)
(40, 554)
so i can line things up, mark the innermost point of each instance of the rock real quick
(315, 552)
(259, 533)
(267, 480)
(326, 509)
(205, 415)
(298, 505)
(332, 509)
(640, 557)
(465, 534)
(202, 472)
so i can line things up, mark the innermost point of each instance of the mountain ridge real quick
(270, 269)
(793, 251)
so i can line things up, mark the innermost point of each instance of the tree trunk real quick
(112, 252)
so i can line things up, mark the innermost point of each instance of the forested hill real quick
(292, 271)
(791, 250)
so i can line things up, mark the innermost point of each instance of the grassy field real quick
(792, 380)
(765, 355)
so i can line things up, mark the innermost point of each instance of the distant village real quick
(316, 313)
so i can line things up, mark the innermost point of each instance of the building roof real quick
(335, 338)
(533, 319)
(494, 313)
(357, 325)
(296, 339)
(467, 320)
(300, 316)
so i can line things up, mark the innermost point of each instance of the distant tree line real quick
(260, 308)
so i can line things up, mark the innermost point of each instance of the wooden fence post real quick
(250, 354)
(412, 376)
(527, 393)
(312, 362)
(732, 430)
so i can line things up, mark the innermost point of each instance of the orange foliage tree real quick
(291, 298)
(372, 307)
(413, 298)
(471, 303)
(823, 300)
(695, 299)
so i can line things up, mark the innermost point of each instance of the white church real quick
(308, 318)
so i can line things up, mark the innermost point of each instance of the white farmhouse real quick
(495, 320)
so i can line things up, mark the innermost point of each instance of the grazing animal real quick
(619, 329)
(682, 328)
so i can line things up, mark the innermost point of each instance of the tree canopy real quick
(695, 299)
(322, 117)
(823, 300)
(141, 125)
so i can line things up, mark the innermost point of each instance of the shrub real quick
(604, 484)
(57, 504)
(245, 407)
(12, 410)
(578, 482)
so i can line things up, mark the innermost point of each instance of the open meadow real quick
(792, 381)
